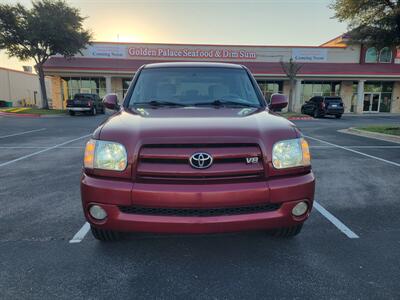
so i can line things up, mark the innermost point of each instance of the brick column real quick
(395, 107)
(360, 97)
(346, 92)
(297, 96)
(108, 84)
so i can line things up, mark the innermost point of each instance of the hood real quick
(198, 125)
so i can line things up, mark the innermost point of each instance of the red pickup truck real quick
(195, 148)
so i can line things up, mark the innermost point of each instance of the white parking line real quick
(40, 147)
(373, 147)
(355, 151)
(335, 221)
(80, 235)
(360, 147)
(21, 133)
(41, 151)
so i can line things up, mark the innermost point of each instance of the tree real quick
(371, 22)
(291, 69)
(50, 27)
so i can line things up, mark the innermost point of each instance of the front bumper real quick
(110, 194)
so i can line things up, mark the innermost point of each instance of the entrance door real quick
(371, 102)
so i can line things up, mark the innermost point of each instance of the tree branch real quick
(390, 4)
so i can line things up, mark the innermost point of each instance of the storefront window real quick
(385, 55)
(270, 87)
(75, 85)
(307, 91)
(371, 55)
(326, 89)
(318, 88)
(387, 87)
(386, 100)
(373, 87)
(125, 86)
(382, 91)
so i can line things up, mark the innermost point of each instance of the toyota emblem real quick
(201, 160)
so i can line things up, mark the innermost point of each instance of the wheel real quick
(302, 111)
(338, 116)
(71, 113)
(105, 235)
(287, 231)
(94, 111)
(103, 110)
(316, 113)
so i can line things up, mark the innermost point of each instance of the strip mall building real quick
(367, 79)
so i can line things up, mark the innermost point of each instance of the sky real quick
(237, 22)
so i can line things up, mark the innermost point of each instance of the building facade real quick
(367, 79)
(21, 88)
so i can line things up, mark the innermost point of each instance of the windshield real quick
(83, 97)
(194, 86)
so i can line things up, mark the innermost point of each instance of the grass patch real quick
(36, 111)
(386, 129)
(292, 115)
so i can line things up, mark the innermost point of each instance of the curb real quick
(372, 135)
(6, 114)
(19, 115)
(300, 118)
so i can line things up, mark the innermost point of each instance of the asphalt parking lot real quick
(349, 248)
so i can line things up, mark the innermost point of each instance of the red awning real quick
(257, 68)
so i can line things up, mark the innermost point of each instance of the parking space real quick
(41, 212)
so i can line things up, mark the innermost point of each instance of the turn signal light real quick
(88, 160)
(306, 152)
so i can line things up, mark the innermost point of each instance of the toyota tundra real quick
(195, 148)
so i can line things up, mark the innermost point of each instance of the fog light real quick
(97, 212)
(300, 209)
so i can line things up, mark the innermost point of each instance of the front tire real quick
(105, 235)
(287, 231)
(316, 114)
(338, 116)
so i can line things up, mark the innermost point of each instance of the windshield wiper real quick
(219, 102)
(159, 103)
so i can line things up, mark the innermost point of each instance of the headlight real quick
(290, 153)
(105, 155)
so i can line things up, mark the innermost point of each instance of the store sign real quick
(213, 53)
(110, 51)
(309, 54)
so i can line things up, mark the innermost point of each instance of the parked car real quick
(195, 148)
(86, 103)
(319, 106)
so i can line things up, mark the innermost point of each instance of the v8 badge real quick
(252, 160)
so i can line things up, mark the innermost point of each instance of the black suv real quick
(86, 103)
(320, 106)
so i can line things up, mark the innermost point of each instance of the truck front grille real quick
(170, 163)
(197, 212)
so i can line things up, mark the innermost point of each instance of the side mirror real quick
(111, 101)
(278, 101)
